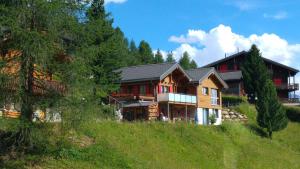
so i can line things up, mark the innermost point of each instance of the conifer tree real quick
(158, 58)
(170, 58)
(133, 54)
(271, 114)
(193, 64)
(185, 61)
(145, 53)
(38, 32)
(255, 73)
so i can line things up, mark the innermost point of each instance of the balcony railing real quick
(286, 86)
(178, 98)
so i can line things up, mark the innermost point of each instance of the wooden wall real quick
(204, 101)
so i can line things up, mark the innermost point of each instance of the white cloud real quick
(205, 47)
(278, 16)
(244, 5)
(115, 1)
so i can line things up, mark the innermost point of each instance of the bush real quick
(231, 100)
(293, 113)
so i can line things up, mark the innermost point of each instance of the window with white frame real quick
(204, 90)
(214, 97)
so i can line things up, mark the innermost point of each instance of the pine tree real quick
(193, 64)
(271, 114)
(255, 73)
(185, 61)
(145, 53)
(158, 58)
(170, 58)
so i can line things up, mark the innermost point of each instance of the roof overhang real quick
(214, 72)
(174, 67)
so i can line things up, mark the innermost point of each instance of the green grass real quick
(162, 145)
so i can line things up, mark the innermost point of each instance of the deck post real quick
(186, 113)
(168, 111)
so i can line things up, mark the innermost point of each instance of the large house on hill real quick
(230, 70)
(166, 90)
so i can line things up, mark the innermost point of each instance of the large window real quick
(205, 91)
(129, 89)
(142, 90)
(214, 97)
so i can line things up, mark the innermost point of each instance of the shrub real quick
(293, 113)
(231, 100)
(212, 119)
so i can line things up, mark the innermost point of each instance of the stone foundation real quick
(231, 115)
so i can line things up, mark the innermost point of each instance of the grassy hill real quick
(109, 144)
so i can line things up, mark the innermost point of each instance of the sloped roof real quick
(236, 75)
(199, 74)
(148, 72)
(244, 53)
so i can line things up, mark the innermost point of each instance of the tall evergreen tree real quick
(106, 48)
(271, 114)
(37, 32)
(193, 64)
(158, 58)
(145, 53)
(255, 73)
(185, 61)
(133, 54)
(170, 58)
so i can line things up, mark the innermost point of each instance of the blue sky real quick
(209, 29)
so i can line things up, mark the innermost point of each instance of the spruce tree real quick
(170, 58)
(133, 54)
(145, 53)
(193, 64)
(158, 58)
(255, 73)
(185, 61)
(271, 114)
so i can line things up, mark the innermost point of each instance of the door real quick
(205, 116)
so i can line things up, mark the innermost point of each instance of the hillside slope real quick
(110, 144)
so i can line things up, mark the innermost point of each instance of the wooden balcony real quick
(130, 96)
(286, 86)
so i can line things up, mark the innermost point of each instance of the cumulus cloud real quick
(205, 47)
(115, 1)
(278, 16)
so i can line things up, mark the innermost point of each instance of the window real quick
(216, 112)
(165, 89)
(204, 90)
(142, 89)
(214, 96)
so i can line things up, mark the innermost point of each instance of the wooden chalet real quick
(283, 76)
(150, 91)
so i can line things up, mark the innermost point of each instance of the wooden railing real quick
(286, 86)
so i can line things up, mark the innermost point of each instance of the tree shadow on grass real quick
(257, 130)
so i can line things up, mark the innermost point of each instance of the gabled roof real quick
(200, 74)
(236, 75)
(149, 72)
(244, 53)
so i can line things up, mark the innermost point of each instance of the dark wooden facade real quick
(282, 76)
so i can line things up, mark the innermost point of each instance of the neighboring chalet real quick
(230, 70)
(148, 92)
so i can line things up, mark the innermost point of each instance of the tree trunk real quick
(270, 134)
